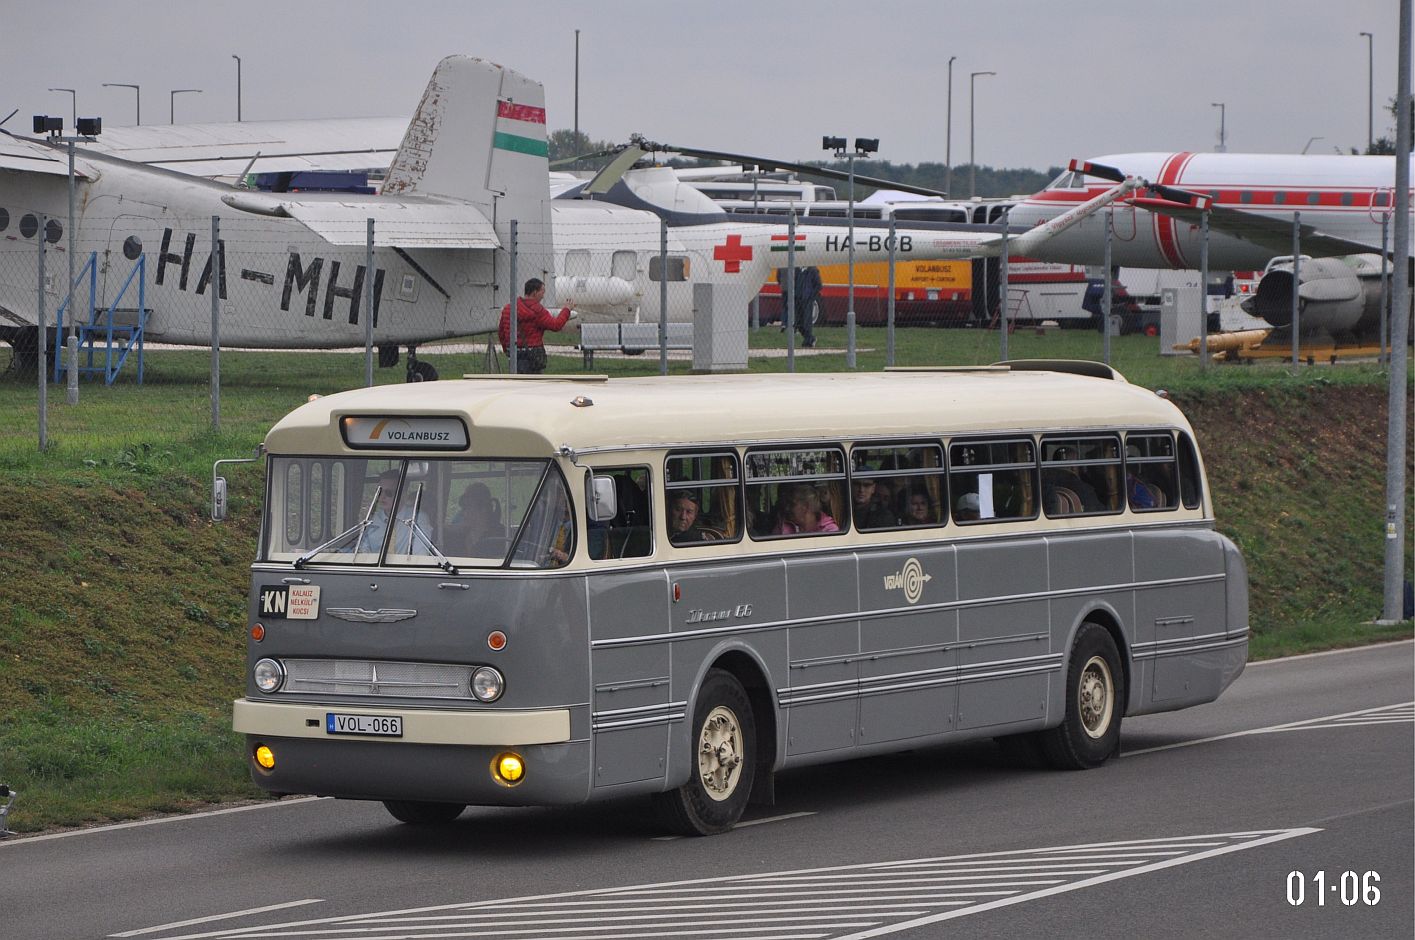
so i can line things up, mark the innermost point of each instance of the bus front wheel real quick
(419, 813)
(1095, 699)
(724, 763)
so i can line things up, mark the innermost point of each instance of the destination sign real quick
(403, 432)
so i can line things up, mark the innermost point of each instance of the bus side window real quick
(1150, 478)
(993, 480)
(627, 535)
(702, 498)
(797, 491)
(1080, 475)
(899, 486)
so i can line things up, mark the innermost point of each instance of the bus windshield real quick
(420, 513)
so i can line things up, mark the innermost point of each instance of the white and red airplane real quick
(1341, 202)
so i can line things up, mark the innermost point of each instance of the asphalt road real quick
(1304, 766)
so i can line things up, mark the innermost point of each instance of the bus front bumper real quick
(440, 756)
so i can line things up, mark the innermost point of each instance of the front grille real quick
(384, 679)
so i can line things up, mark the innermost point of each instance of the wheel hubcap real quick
(720, 753)
(1095, 697)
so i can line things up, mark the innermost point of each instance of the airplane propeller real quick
(1184, 197)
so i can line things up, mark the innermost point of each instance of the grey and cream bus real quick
(514, 591)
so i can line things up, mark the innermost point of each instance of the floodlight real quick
(89, 126)
(832, 143)
(866, 144)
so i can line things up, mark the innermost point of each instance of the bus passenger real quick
(864, 510)
(801, 513)
(683, 525)
(377, 529)
(478, 517)
(918, 510)
(967, 508)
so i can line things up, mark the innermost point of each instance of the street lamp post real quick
(972, 111)
(238, 87)
(138, 92)
(1222, 138)
(85, 130)
(1370, 91)
(864, 146)
(172, 102)
(948, 135)
(73, 104)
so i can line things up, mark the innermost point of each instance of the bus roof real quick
(538, 416)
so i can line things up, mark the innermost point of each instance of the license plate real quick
(390, 726)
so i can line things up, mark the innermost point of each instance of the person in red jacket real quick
(532, 322)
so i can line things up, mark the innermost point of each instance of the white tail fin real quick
(479, 136)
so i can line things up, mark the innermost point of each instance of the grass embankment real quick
(122, 607)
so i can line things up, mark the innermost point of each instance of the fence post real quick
(41, 348)
(889, 317)
(1204, 290)
(1002, 289)
(788, 295)
(514, 308)
(1107, 295)
(215, 287)
(368, 306)
(663, 298)
(1296, 267)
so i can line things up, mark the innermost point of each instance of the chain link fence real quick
(389, 293)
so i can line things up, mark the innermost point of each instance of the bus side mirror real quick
(218, 499)
(602, 499)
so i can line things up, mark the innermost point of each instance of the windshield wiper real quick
(358, 527)
(416, 532)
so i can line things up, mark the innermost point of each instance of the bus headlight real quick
(269, 675)
(487, 684)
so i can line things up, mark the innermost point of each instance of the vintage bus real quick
(553, 590)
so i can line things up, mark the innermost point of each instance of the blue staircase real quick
(114, 331)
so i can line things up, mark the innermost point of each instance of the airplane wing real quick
(406, 222)
(1273, 234)
(276, 146)
(17, 153)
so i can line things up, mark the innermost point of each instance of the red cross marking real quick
(732, 253)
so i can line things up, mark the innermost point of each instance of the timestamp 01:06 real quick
(1349, 888)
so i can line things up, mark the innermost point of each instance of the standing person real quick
(532, 323)
(808, 288)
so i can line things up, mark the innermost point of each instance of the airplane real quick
(1342, 201)
(472, 161)
(293, 265)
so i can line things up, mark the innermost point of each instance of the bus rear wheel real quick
(724, 764)
(1095, 699)
(419, 813)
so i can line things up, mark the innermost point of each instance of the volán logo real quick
(910, 579)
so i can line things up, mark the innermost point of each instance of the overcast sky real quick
(1073, 79)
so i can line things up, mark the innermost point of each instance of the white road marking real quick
(212, 917)
(1383, 714)
(26, 840)
(878, 898)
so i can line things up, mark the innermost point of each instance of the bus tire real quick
(420, 813)
(1089, 732)
(724, 761)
